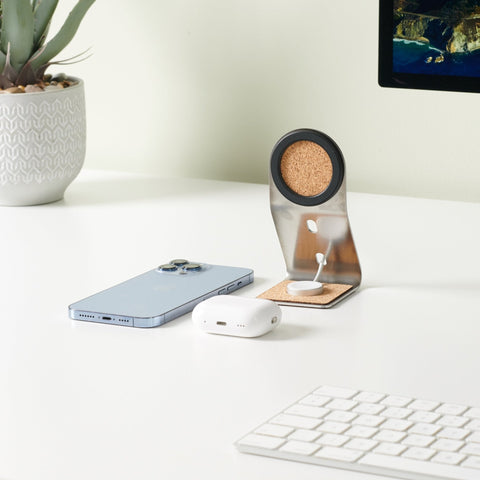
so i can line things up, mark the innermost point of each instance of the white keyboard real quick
(374, 432)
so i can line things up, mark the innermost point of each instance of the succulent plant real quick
(24, 52)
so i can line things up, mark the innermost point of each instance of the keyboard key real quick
(363, 444)
(473, 425)
(360, 431)
(474, 437)
(473, 413)
(424, 417)
(449, 458)
(402, 464)
(472, 462)
(396, 401)
(341, 404)
(426, 405)
(274, 430)
(394, 424)
(262, 441)
(333, 440)
(336, 392)
(453, 433)
(337, 453)
(447, 445)
(387, 448)
(418, 453)
(296, 421)
(340, 416)
(389, 436)
(302, 448)
(418, 440)
(368, 420)
(369, 397)
(369, 408)
(304, 435)
(315, 400)
(425, 428)
(395, 412)
(471, 449)
(451, 409)
(333, 427)
(307, 411)
(452, 421)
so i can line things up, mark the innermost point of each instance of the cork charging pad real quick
(306, 168)
(331, 292)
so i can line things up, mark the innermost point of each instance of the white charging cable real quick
(309, 287)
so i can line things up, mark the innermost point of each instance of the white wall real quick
(205, 88)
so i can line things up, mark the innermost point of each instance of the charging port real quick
(106, 318)
(223, 324)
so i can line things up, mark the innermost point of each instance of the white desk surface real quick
(90, 401)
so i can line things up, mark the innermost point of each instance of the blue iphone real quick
(160, 295)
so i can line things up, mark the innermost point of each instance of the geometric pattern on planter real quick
(42, 136)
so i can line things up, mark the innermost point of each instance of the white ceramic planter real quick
(42, 144)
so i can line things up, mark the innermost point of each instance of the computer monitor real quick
(430, 44)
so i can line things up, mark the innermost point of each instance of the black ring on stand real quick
(333, 152)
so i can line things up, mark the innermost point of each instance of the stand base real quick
(332, 293)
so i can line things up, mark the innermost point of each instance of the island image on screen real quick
(437, 37)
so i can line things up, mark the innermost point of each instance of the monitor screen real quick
(430, 44)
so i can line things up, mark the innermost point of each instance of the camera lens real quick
(179, 262)
(167, 267)
(192, 267)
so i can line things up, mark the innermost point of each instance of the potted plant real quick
(42, 118)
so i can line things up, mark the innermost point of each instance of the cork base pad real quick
(331, 293)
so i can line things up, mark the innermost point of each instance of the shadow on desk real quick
(121, 189)
(447, 286)
(287, 332)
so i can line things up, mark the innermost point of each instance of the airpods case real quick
(238, 316)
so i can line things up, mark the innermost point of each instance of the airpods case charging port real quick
(238, 316)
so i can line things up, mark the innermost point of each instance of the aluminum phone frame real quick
(229, 279)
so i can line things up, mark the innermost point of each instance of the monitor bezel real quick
(388, 78)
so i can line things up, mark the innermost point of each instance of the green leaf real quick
(17, 30)
(65, 34)
(3, 59)
(9, 74)
(42, 15)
